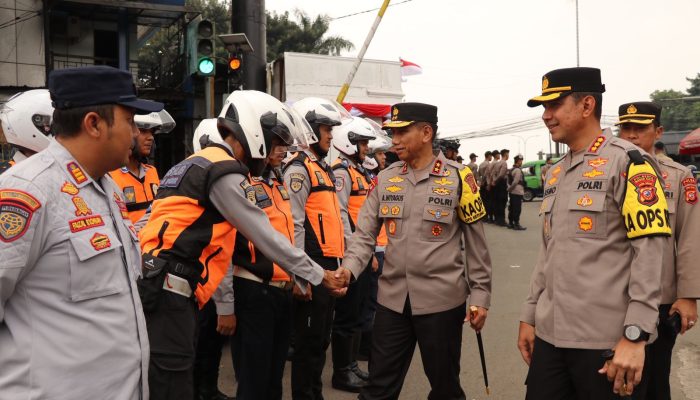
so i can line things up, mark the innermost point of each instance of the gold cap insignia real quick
(631, 109)
(394, 114)
(545, 83)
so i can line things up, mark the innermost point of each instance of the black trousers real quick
(348, 309)
(172, 333)
(487, 198)
(658, 365)
(500, 194)
(312, 329)
(515, 208)
(370, 307)
(208, 356)
(259, 347)
(568, 374)
(439, 337)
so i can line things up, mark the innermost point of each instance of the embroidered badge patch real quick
(394, 188)
(395, 210)
(384, 210)
(593, 173)
(645, 186)
(439, 213)
(391, 227)
(81, 207)
(100, 241)
(339, 183)
(84, 223)
(442, 191)
(691, 190)
(121, 205)
(14, 221)
(396, 179)
(585, 224)
(76, 172)
(596, 145)
(436, 230)
(598, 162)
(69, 188)
(585, 201)
(471, 182)
(437, 167)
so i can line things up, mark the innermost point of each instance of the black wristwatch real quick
(635, 334)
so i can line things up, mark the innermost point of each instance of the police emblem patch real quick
(250, 194)
(585, 224)
(295, 184)
(14, 221)
(339, 183)
(69, 188)
(384, 210)
(81, 207)
(438, 213)
(436, 230)
(471, 182)
(391, 227)
(395, 210)
(545, 83)
(585, 201)
(645, 186)
(100, 241)
(631, 109)
(691, 190)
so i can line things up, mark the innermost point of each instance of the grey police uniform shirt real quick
(590, 280)
(681, 269)
(484, 171)
(517, 186)
(424, 259)
(71, 322)
(343, 175)
(229, 199)
(474, 167)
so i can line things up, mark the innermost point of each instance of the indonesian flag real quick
(408, 68)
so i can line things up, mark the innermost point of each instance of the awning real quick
(368, 110)
(690, 144)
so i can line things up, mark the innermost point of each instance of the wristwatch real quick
(635, 334)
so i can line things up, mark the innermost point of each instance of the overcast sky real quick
(482, 60)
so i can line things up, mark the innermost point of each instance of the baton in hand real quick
(473, 311)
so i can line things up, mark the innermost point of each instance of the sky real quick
(482, 60)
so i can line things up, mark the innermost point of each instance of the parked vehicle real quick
(533, 183)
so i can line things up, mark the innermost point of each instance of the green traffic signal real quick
(205, 66)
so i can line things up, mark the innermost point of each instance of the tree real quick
(305, 35)
(680, 113)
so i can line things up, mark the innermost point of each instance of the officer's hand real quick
(339, 292)
(476, 316)
(296, 292)
(526, 341)
(341, 277)
(625, 369)
(226, 324)
(375, 264)
(688, 310)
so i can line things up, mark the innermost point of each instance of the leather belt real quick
(245, 274)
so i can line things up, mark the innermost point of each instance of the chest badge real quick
(395, 210)
(437, 167)
(100, 241)
(585, 201)
(81, 207)
(442, 191)
(76, 172)
(391, 227)
(396, 179)
(69, 188)
(593, 173)
(439, 213)
(436, 230)
(598, 162)
(443, 181)
(585, 224)
(384, 210)
(394, 188)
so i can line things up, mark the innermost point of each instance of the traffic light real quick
(234, 64)
(201, 47)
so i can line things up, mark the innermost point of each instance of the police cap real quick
(96, 85)
(405, 114)
(562, 82)
(639, 112)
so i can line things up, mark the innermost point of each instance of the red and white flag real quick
(408, 68)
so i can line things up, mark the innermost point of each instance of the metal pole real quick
(209, 97)
(363, 50)
(123, 38)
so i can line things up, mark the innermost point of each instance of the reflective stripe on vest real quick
(184, 227)
(138, 193)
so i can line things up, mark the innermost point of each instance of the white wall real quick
(22, 45)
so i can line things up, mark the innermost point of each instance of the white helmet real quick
(254, 118)
(370, 163)
(161, 121)
(347, 135)
(318, 111)
(205, 133)
(26, 119)
(382, 142)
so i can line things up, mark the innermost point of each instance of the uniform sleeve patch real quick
(644, 209)
(339, 183)
(690, 188)
(14, 220)
(18, 196)
(471, 207)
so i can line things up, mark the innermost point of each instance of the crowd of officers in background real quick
(239, 238)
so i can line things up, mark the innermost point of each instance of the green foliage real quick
(303, 35)
(680, 113)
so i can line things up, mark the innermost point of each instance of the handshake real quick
(337, 281)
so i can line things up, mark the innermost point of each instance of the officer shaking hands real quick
(640, 123)
(71, 324)
(189, 239)
(596, 283)
(427, 204)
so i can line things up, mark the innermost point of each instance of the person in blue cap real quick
(71, 322)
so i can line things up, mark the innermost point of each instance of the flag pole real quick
(363, 50)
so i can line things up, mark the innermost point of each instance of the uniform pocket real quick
(437, 223)
(96, 265)
(587, 217)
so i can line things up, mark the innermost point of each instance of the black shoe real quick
(345, 379)
(519, 228)
(360, 373)
(501, 223)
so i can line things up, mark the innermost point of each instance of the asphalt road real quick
(513, 255)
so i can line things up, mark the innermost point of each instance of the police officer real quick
(543, 171)
(427, 204)
(484, 173)
(318, 230)
(493, 192)
(499, 187)
(451, 149)
(201, 205)
(26, 124)
(595, 286)
(640, 123)
(516, 190)
(71, 324)
(352, 183)
(474, 166)
(138, 180)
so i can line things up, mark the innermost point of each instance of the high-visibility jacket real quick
(138, 192)
(185, 227)
(323, 226)
(275, 203)
(361, 184)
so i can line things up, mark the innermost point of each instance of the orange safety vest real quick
(185, 227)
(273, 198)
(323, 226)
(382, 239)
(358, 192)
(138, 192)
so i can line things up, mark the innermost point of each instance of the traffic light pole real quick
(209, 96)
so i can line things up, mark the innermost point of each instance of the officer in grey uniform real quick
(71, 323)
(484, 171)
(596, 284)
(640, 123)
(427, 205)
(474, 166)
